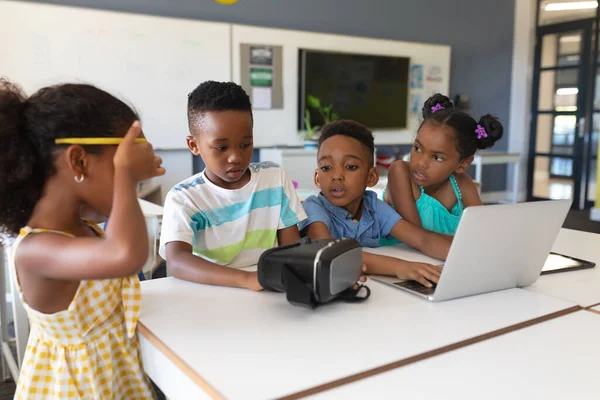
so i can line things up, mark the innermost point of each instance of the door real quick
(562, 119)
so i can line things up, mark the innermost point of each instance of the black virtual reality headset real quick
(313, 272)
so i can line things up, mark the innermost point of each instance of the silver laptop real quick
(496, 247)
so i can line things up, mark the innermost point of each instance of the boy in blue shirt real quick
(344, 208)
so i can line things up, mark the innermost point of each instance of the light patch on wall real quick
(227, 2)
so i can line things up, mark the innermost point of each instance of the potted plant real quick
(311, 135)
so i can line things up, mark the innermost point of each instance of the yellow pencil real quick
(96, 141)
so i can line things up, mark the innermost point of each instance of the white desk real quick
(581, 287)
(151, 209)
(245, 345)
(150, 191)
(557, 359)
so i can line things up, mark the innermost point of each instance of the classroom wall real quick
(480, 33)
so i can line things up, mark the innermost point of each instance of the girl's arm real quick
(400, 194)
(124, 248)
(468, 189)
(384, 265)
(429, 243)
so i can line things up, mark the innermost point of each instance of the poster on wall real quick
(261, 75)
(434, 74)
(416, 103)
(261, 55)
(433, 80)
(416, 76)
(261, 98)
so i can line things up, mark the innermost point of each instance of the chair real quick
(153, 215)
(10, 365)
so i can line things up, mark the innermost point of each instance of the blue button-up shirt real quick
(377, 220)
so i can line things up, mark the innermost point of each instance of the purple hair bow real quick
(437, 107)
(481, 133)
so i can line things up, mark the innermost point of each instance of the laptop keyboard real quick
(417, 287)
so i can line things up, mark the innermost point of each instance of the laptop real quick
(496, 247)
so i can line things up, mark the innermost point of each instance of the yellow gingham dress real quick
(88, 351)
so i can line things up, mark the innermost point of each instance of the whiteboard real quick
(149, 62)
(279, 126)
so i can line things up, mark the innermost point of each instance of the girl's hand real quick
(420, 272)
(138, 159)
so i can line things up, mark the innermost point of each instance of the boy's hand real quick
(137, 158)
(420, 272)
(252, 282)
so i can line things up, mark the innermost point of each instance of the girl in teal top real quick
(432, 189)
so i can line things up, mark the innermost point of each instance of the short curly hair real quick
(216, 96)
(353, 129)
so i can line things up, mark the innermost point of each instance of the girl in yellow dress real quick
(79, 285)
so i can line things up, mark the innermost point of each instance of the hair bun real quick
(493, 129)
(436, 101)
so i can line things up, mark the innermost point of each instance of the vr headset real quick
(313, 272)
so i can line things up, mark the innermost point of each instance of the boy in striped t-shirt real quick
(223, 218)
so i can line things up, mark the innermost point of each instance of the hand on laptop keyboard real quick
(417, 287)
(425, 274)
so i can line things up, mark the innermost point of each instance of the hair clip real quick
(96, 141)
(437, 107)
(481, 133)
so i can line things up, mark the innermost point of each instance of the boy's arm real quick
(318, 230)
(183, 264)
(400, 191)
(429, 243)
(289, 235)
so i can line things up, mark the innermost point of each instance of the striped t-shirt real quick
(231, 227)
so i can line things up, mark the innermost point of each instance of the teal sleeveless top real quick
(434, 216)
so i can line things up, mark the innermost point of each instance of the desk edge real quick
(182, 365)
(592, 306)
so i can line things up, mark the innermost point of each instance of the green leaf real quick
(327, 109)
(307, 121)
(307, 125)
(313, 101)
(335, 116)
